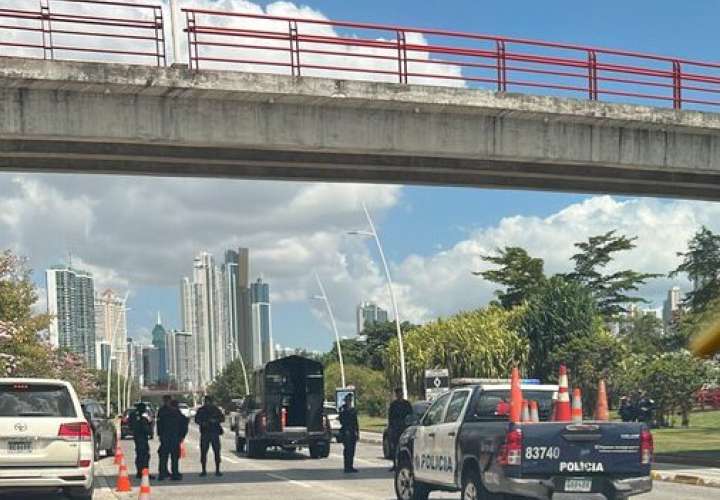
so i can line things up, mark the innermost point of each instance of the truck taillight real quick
(283, 418)
(646, 447)
(262, 422)
(511, 450)
(79, 431)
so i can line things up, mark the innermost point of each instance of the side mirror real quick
(411, 420)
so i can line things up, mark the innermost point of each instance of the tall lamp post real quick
(323, 297)
(112, 343)
(401, 347)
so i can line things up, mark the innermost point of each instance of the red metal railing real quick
(316, 47)
(70, 29)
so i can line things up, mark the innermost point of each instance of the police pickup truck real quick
(464, 442)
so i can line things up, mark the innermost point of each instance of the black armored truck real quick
(285, 410)
(464, 442)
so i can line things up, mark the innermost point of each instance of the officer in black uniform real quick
(209, 417)
(349, 432)
(172, 427)
(397, 413)
(141, 431)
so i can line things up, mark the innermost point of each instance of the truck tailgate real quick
(566, 449)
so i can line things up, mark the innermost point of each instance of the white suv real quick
(45, 440)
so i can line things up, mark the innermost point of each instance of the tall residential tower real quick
(71, 303)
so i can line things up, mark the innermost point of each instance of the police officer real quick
(209, 417)
(397, 413)
(349, 431)
(172, 428)
(141, 431)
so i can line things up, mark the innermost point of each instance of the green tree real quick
(354, 352)
(643, 333)
(589, 359)
(559, 312)
(610, 290)
(671, 379)
(230, 384)
(22, 352)
(372, 350)
(371, 387)
(520, 273)
(701, 264)
(480, 343)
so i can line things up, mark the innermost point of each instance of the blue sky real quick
(428, 227)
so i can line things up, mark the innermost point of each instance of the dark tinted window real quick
(32, 400)
(455, 408)
(435, 414)
(495, 405)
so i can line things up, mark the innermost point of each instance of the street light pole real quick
(112, 343)
(401, 345)
(324, 298)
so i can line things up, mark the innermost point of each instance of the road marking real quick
(291, 481)
(230, 459)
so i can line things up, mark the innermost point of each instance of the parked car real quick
(184, 409)
(287, 410)
(334, 419)
(419, 409)
(45, 440)
(103, 427)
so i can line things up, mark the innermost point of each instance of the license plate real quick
(578, 485)
(20, 447)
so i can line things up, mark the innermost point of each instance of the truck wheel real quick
(473, 488)
(110, 452)
(255, 449)
(320, 450)
(406, 487)
(239, 444)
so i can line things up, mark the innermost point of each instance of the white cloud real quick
(357, 60)
(442, 283)
(136, 232)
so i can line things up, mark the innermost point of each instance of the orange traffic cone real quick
(577, 411)
(525, 417)
(145, 486)
(534, 414)
(123, 481)
(601, 410)
(183, 451)
(562, 407)
(118, 454)
(516, 398)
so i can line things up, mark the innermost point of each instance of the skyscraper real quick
(369, 314)
(671, 307)
(158, 342)
(184, 360)
(237, 324)
(206, 309)
(187, 312)
(111, 322)
(71, 303)
(262, 343)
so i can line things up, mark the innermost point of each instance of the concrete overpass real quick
(122, 119)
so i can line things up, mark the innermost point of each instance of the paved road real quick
(281, 476)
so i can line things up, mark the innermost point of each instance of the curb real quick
(684, 479)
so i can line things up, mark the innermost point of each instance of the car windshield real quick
(31, 400)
